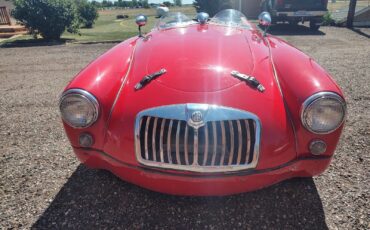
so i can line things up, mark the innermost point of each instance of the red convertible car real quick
(204, 107)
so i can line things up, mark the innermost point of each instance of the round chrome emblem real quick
(197, 117)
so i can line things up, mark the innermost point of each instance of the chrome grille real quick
(216, 146)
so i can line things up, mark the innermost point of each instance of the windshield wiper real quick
(149, 78)
(252, 81)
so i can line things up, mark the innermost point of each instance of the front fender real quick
(300, 77)
(103, 78)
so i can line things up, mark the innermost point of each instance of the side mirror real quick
(265, 21)
(141, 21)
(202, 17)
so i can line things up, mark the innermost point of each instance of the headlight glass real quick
(323, 113)
(79, 108)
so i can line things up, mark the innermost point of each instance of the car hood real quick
(198, 58)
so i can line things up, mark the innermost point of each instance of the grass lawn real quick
(108, 28)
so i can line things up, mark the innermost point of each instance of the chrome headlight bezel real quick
(322, 96)
(89, 98)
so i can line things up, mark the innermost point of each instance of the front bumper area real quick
(202, 184)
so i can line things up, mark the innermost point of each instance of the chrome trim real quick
(206, 136)
(161, 140)
(214, 128)
(186, 145)
(248, 140)
(223, 135)
(211, 116)
(86, 95)
(146, 138)
(318, 96)
(154, 152)
(178, 143)
(168, 142)
(231, 142)
(239, 141)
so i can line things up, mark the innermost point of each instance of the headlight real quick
(79, 108)
(323, 113)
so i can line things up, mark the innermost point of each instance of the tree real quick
(167, 3)
(211, 6)
(145, 4)
(134, 3)
(96, 4)
(49, 18)
(87, 13)
(177, 2)
(351, 13)
(107, 3)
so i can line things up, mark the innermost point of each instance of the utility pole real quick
(351, 13)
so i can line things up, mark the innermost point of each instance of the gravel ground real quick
(42, 185)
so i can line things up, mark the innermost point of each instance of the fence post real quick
(351, 13)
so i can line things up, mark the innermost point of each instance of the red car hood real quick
(197, 58)
(198, 71)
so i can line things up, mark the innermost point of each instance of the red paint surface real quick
(198, 60)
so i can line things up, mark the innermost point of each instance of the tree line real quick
(132, 4)
(52, 17)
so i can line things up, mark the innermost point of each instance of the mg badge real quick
(197, 117)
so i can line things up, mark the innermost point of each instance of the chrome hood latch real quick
(252, 81)
(149, 78)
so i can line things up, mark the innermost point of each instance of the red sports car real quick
(204, 107)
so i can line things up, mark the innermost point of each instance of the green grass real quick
(107, 27)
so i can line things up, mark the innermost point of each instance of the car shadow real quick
(286, 29)
(96, 199)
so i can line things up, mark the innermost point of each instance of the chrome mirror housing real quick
(202, 17)
(141, 20)
(265, 21)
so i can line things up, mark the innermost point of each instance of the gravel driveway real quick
(42, 185)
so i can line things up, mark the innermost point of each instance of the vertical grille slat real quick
(223, 135)
(169, 151)
(161, 153)
(196, 147)
(216, 146)
(178, 142)
(239, 142)
(154, 131)
(214, 134)
(186, 152)
(146, 138)
(231, 154)
(248, 141)
(205, 157)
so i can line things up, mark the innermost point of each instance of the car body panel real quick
(192, 76)
(200, 185)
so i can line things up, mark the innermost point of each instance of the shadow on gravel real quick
(286, 29)
(361, 32)
(34, 42)
(96, 199)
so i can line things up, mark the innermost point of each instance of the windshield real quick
(229, 18)
(232, 18)
(174, 20)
